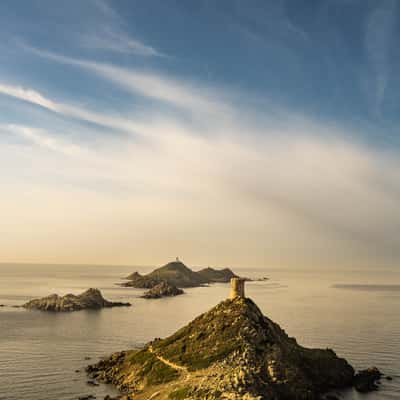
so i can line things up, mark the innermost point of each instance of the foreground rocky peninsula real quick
(178, 274)
(231, 352)
(90, 299)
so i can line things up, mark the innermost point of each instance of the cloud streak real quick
(379, 32)
(153, 85)
(118, 42)
(43, 139)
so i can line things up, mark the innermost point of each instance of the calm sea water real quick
(354, 312)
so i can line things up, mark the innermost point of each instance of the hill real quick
(174, 273)
(217, 275)
(229, 352)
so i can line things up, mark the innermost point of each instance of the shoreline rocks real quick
(367, 379)
(90, 299)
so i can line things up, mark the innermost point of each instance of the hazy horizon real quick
(258, 134)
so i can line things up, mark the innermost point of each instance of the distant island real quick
(90, 299)
(233, 352)
(178, 274)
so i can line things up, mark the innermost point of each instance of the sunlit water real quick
(39, 351)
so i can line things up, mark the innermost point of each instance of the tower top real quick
(237, 288)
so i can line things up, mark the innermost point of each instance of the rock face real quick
(230, 352)
(91, 299)
(217, 275)
(178, 274)
(163, 289)
(174, 273)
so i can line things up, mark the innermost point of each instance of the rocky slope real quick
(90, 299)
(163, 289)
(217, 275)
(230, 352)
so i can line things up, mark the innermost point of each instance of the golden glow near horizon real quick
(213, 200)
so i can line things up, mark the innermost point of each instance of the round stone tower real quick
(237, 288)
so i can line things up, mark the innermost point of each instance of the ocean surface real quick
(354, 312)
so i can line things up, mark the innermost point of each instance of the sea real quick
(43, 355)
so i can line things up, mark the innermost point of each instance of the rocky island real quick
(90, 299)
(163, 289)
(231, 352)
(217, 275)
(178, 274)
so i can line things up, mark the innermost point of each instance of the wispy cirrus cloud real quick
(42, 138)
(196, 98)
(28, 95)
(110, 34)
(110, 40)
(126, 125)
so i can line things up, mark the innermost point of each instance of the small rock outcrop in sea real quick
(163, 289)
(231, 352)
(178, 274)
(365, 380)
(90, 299)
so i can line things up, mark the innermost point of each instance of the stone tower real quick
(237, 287)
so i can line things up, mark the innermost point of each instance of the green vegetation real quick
(209, 338)
(234, 350)
(150, 368)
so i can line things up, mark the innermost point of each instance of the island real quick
(217, 275)
(232, 352)
(163, 289)
(178, 274)
(90, 299)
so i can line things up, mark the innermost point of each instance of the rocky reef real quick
(231, 352)
(90, 299)
(163, 289)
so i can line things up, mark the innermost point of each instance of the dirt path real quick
(167, 362)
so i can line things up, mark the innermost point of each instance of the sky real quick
(228, 133)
